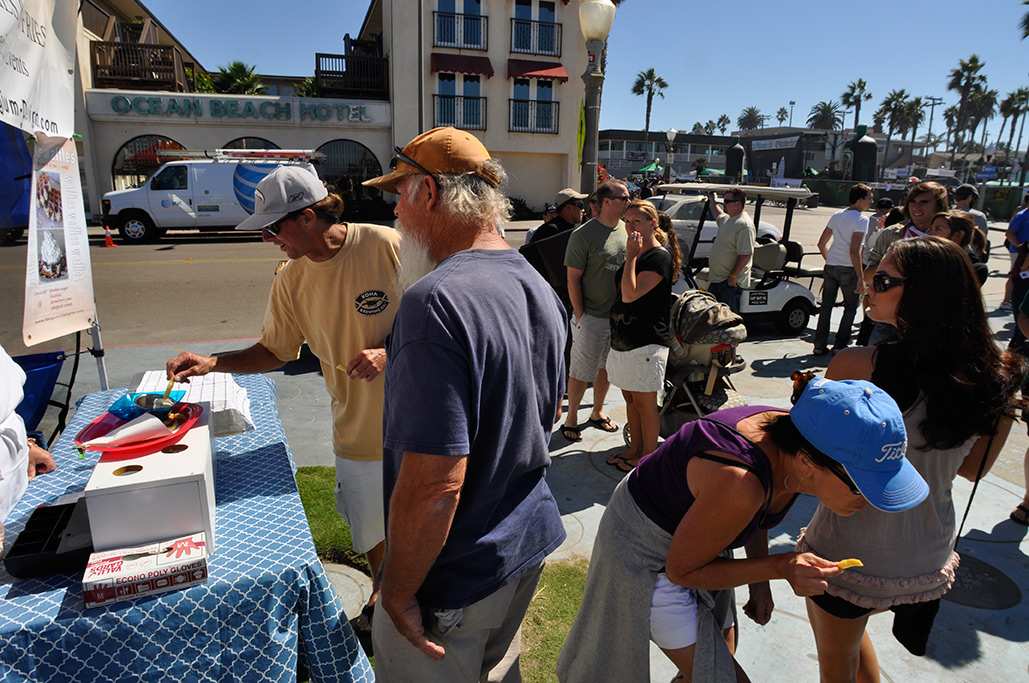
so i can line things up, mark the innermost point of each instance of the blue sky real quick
(764, 54)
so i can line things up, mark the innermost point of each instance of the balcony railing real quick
(535, 37)
(352, 76)
(466, 31)
(533, 116)
(468, 113)
(137, 66)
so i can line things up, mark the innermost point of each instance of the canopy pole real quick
(97, 351)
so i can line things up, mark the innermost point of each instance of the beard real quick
(415, 260)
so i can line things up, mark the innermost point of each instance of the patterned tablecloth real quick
(267, 596)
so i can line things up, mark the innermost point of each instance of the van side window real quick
(171, 178)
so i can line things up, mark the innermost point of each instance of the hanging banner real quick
(37, 54)
(58, 276)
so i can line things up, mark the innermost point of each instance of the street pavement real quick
(207, 293)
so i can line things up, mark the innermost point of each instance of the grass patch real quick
(331, 534)
(550, 617)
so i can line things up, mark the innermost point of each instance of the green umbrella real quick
(652, 167)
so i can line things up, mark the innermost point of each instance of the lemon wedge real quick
(850, 563)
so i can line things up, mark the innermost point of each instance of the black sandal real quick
(1024, 519)
(603, 424)
(573, 434)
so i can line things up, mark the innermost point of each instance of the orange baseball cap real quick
(440, 150)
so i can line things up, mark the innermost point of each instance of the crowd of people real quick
(447, 359)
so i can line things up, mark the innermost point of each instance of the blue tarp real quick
(15, 178)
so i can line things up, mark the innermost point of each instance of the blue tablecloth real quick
(267, 595)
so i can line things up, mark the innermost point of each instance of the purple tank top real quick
(659, 486)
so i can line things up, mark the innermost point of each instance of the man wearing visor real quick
(338, 293)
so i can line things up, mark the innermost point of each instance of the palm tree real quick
(649, 84)
(982, 107)
(698, 129)
(825, 115)
(963, 80)
(750, 118)
(1008, 108)
(891, 112)
(238, 78)
(854, 95)
(914, 116)
(1024, 24)
(1021, 111)
(709, 127)
(723, 123)
(307, 88)
(782, 115)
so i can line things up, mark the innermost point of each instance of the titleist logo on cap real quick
(893, 451)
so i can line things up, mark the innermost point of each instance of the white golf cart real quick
(774, 294)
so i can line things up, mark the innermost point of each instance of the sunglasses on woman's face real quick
(884, 282)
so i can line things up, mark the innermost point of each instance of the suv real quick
(207, 194)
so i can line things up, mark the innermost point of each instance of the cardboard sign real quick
(58, 274)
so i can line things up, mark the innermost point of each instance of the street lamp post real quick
(595, 19)
(670, 134)
(792, 102)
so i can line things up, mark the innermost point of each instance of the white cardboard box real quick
(155, 497)
(116, 575)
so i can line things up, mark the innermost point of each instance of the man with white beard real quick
(474, 378)
(338, 293)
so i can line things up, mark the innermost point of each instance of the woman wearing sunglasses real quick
(662, 564)
(956, 389)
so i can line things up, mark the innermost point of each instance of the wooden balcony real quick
(352, 76)
(138, 66)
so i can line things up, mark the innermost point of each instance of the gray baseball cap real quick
(281, 192)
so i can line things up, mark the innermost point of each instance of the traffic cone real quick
(108, 240)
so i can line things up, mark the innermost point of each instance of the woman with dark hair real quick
(639, 326)
(661, 563)
(923, 202)
(957, 390)
(959, 228)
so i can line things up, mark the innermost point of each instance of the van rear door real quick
(171, 198)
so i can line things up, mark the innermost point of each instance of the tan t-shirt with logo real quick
(341, 307)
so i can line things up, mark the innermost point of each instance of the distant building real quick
(624, 152)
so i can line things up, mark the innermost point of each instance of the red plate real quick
(107, 422)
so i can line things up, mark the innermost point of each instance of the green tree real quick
(238, 78)
(854, 95)
(782, 115)
(202, 81)
(698, 129)
(891, 112)
(307, 88)
(964, 79)
(1008, 109)
(709, 127)
(1021, 111)
(648, 84)
(751, 118)
(825, 115)
(1024, 24)
(723, 123)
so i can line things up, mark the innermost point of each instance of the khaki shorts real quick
(641, 369)
(359, 501)
(591, 340)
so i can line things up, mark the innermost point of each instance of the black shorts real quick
(911, 623)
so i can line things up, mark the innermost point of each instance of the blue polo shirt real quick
(476, 366)
(1019, 225)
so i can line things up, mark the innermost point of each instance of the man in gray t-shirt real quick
(731, 253)
(596, 250)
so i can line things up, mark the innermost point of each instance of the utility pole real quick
(932, 101)
(792, 102)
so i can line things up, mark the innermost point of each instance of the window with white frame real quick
(460, 24)
(534, 28)
(459, 101)
(534, 106)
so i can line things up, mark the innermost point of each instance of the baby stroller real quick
(702, 339)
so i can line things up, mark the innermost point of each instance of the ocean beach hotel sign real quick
(105, 105)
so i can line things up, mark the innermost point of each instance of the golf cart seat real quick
(795, 254)
(768, 263)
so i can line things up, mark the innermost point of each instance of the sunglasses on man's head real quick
(884, 282)
(398, 156)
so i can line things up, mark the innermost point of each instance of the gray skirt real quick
(610, 639)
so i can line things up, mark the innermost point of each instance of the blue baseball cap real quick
(859, 425)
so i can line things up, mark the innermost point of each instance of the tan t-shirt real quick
(736, 237)
(340, 307)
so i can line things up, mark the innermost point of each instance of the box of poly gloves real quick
(117, 575)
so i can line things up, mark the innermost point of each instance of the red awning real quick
(527, 68)
(461, 64)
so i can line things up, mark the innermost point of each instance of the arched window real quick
(345, 165)
(138, 158)
(250, 143)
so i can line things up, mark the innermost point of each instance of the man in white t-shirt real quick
(840, 245)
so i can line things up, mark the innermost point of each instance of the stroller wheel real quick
(625, 435)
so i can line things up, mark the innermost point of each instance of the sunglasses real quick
(842, 475)
(275, 228)
(884, 282)
(732, 200)
(398, 156)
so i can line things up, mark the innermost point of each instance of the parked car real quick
(205, 194)
(685, 213)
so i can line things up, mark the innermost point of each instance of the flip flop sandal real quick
(615, 458)
(624, 465)
(1024, 520)
(573, 434)
(604, 425)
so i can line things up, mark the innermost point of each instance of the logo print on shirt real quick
(371, 302)
(893, 451)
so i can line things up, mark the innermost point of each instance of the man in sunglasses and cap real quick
(474, 379)
(339, 293)
(729, 263)
(568, 215)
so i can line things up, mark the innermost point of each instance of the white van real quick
(204, 194)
